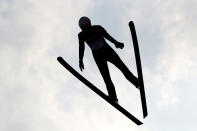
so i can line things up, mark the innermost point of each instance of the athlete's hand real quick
(81, 66)
(119, 45)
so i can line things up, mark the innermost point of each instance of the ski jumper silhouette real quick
(94, 36)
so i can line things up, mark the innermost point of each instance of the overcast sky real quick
(38, 94)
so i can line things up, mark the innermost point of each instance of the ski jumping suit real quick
(102, 52)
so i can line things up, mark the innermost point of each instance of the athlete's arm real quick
(111, 39)
(81, 53)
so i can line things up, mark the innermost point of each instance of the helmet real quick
(83, 21)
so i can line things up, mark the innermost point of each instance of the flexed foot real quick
(115, 100)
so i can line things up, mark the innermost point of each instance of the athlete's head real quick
(84, 22)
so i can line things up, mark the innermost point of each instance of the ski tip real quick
(58, 58)
(131, 23)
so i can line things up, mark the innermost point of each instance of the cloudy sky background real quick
(38, 94)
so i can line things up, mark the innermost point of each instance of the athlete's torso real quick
(94, 37)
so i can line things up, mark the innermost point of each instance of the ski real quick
(139, 68)
(97, 91)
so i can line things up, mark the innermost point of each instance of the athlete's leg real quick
(103, 68)
(115, 59)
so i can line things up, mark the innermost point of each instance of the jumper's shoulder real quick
(97, 26)
(79, 34)
(99, 29)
